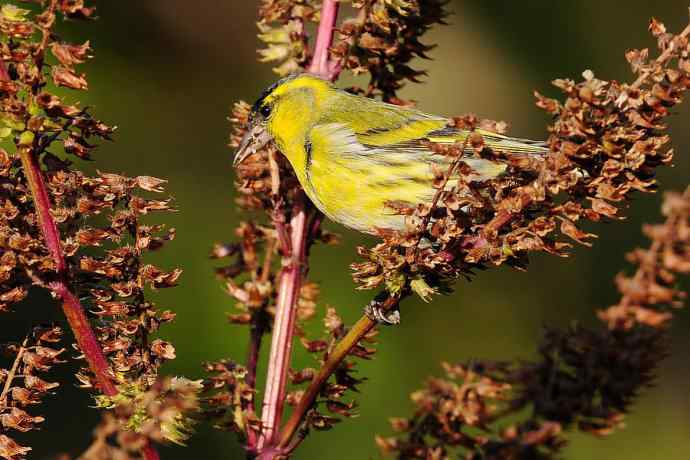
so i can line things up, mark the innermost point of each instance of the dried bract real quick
(573, 384)
(606, 142)
(383, 40)
(22, 387)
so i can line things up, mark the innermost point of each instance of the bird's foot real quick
(374, 312)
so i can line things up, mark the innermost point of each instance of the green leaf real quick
(422, 289)
(26, 138)
(395, 282)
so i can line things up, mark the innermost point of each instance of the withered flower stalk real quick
(72, 308)
(50, 238)
(584, 379)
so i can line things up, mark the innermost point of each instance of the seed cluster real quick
(606, 141)
(22, 387)
(101, 236)
(384, 38)
(584, 379)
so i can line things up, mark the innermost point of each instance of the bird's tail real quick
(510, 146)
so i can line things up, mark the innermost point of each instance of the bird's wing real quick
(381, 125)
(337, 150)
(350, 182)
(390, 135)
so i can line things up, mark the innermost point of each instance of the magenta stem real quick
(34, 176)
(283, 330)
(86, 339)
(150, 452)
(4, 74)
(321, 64)
(256, 335)
(83, 333)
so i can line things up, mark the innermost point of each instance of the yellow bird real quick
(352, 154)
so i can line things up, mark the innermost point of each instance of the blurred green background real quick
(167, 71)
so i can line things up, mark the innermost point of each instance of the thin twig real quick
(437, 196)
(321, 64)
(663, 57)
(11, 374)
(361, 328)
(283, 329)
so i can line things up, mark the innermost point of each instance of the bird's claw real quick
(374, 312)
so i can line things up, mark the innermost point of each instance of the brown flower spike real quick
(585, 379)
(80, 237)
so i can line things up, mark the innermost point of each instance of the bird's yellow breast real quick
(354, 190)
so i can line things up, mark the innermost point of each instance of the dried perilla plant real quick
(606, 142)
(23, 387)
(607, 138)
(584, 379)
(82, 238)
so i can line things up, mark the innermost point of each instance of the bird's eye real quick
(265, 110)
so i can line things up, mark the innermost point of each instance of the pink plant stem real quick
(283, 329)
(4, 74)
(84, 335)
(33, 174)
(321, 64)
(256, 335)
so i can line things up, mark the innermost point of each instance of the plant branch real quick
(321, 64)
(283, 329)
(361, 328)
(258, 328)
(505, 216)
(12, 373)
(74, 312)
(86, 339)
(662, 58)
(71, 306)
(30, 146)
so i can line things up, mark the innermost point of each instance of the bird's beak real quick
(255, 138)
